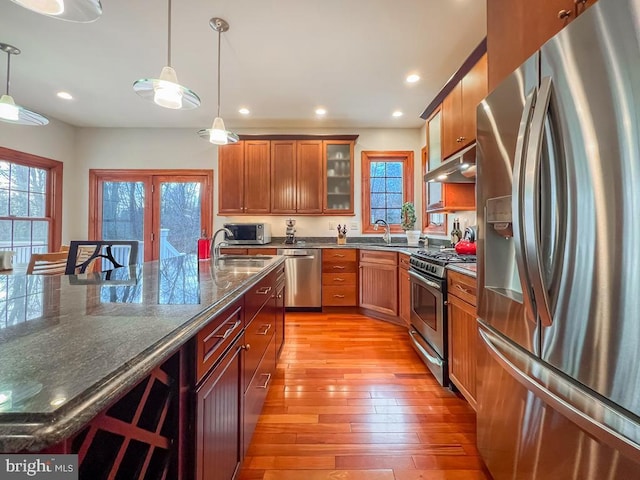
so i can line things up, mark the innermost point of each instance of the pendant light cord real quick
(219, 41)
(8, 70)
(169, 36)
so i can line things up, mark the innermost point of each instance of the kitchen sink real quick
(242, 263)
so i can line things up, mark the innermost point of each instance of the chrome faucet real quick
(386, 236)
(215, 249)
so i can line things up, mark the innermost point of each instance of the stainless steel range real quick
(428, 331)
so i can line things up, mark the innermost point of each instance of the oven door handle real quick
(431, 358)
(427, 283)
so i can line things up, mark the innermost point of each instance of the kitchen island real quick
(72, 345)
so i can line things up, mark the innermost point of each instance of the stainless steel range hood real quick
(458, 168)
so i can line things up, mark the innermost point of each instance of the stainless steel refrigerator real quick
(559, 262)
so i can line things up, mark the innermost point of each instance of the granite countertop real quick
(397, 245)
(464, 268)
(70, 345)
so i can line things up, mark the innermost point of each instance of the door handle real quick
(531, 203)
(516, 204)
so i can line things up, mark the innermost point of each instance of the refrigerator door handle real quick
(588, 412)
(531, 203)
(516, 204)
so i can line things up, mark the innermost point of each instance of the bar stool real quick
(101, 250)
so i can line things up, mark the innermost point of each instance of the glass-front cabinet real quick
(434, 222)
(338, 184)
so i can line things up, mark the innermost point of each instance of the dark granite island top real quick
(71, 345)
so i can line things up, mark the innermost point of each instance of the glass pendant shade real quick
(218, 134)
(9, 111)
(166, 91)
(82, 11)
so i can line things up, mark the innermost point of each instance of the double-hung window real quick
(30, 204)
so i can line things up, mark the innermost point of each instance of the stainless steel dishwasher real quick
(303, 277)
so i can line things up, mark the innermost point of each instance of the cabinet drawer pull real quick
(462, 289)
(266, 328)
(338, 296)
(564, 14)
(263, 290)
(338, 267)
(266, 382)
(226, 333)
(339, 255)
(338, 279)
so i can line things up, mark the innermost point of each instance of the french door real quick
(165, 210)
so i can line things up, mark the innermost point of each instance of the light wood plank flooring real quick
(352, 401)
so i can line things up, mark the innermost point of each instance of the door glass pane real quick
(179, 218)
(123, 212)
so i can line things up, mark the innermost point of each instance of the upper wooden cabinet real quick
(244, 177)
(231, 178)
(459, 109)
(309, 176)
(284, 176)
(517, 28)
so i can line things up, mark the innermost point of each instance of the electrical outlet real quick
(354, 226)
(332, 226)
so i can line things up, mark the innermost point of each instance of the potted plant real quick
(408, 216)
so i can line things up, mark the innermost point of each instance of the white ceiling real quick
(280, 58)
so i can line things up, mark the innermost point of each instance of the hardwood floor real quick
(352, 401)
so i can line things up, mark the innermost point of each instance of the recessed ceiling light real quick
(244, 111)
(413, 78)
(397, 113)
(65, 95)
(321, 111)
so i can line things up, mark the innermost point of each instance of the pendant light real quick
(218, 134)
(9, 111)
(83, 11)
(166, 91)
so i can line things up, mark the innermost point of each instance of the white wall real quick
(57, 142)
(182, 148)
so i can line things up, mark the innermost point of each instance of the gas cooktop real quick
(442, 258)
(433, 262)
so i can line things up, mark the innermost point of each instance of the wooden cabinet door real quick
(219, 420)
(283, 176)
(452, 121)
(257, 176)
(404, 295)
(231, 178)
(463, 332)
(379, 288)
(541, 22)
(309, 173)
(474, 89)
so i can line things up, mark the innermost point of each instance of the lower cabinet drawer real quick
(337, 279)
(257, 337)
(344, 296)
(216, 336)
(257, 392)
